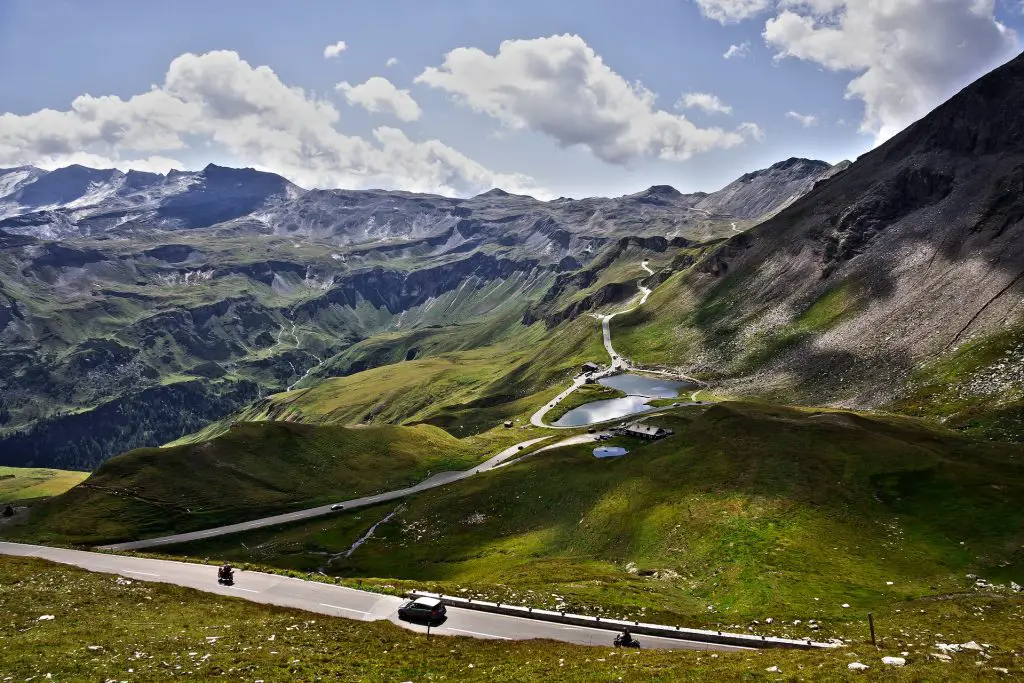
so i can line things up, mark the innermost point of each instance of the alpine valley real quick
(136, 308)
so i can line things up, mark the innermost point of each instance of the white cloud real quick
(737, 51)
(379, 95)
(805, 120)
(332, 51)
(249, 115)
(732, 11)
(752, 131)
(704, 101)
(560, 87)
(910, 55)
(391, 61)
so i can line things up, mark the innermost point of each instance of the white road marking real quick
(247, 590)
(130, 571)
(474, 633)
(346, 609)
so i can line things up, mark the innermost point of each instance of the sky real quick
(544, 97)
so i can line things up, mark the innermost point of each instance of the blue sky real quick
(570, 98)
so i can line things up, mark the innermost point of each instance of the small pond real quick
(641, 391)
(651, 387)
(609, 452)
(603, 411)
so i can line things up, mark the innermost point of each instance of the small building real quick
(587, 368)
(644, 431)
(508, 424)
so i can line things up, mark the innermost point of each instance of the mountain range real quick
(77, 202)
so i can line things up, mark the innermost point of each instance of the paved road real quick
(433, 482)
(335, 601)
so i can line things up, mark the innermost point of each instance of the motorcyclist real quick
(625, 638)
(226, 572)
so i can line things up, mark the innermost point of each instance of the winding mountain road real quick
(618, 363)
(440, 479)
(337, 601)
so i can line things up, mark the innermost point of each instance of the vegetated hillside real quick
(749, 511)
(18, 484)
(156, 628)
(466, 393)
(896, 281)
(254, 470)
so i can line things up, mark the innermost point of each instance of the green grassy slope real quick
(749, 511)
(254, 470)
(466, 392)
(27, 483)
(108, 628)
(976, 387)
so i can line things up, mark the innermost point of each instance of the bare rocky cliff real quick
(905, 258)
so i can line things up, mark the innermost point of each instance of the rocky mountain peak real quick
(663, 191)
(983, 118)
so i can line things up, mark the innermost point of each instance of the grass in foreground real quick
(748, 512)
(19, 484)
(109, 628)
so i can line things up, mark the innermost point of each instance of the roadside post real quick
(871, 625)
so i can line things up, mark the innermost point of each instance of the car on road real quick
(337, 506)
(429, 610)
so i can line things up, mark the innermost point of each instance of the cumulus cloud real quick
(732, 11)
(737, 51)
(379, 95)
(560, 87)
(909, 55)
(247, 113)
(752, 131)
(391, 61)
(704, 101)
(332, 51)
(805, 120)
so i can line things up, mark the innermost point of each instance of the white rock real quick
(971, 646)
(769, 620)
(942, 657)
(845, 605)
(946, 647)
(94, 647)
(1000, 669)
(46, 617)
(894, 661)
(1015, 587)
(857, 666)
(772, 669)
(889, 583)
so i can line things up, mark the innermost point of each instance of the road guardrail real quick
(635, 627)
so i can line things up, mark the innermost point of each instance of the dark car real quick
(422, 609)
(337, 506)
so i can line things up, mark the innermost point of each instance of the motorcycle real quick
(632, 643)
(225, 577)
